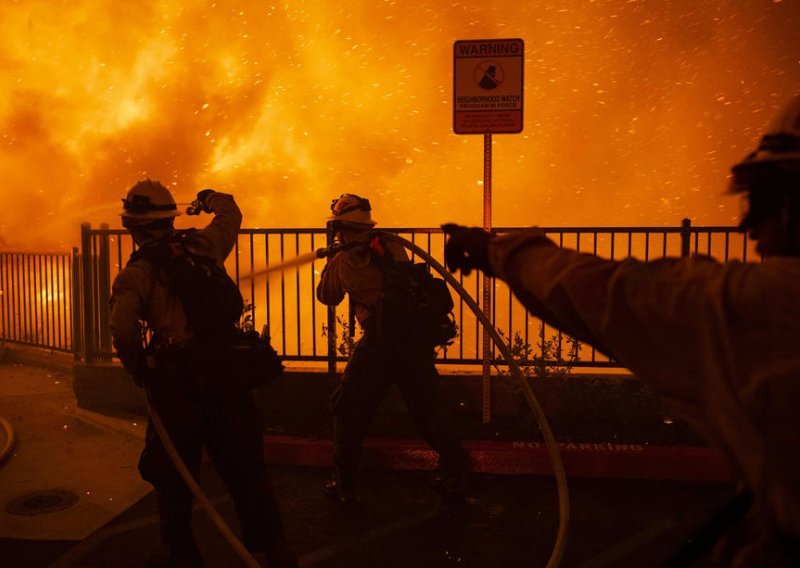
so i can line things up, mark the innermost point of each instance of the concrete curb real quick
(587, 460)
(599, 460)
(130, 425)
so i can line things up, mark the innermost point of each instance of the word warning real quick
(487, 86)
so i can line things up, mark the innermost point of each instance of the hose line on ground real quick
(198, 493)
(10, 439)
(552, 448)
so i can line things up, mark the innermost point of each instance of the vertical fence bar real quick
(86, 293)
(58, 300)
(253, 280)
(67, 268)
(3, 297)
(283, 297)
(26, 261)
(297, 292)
(104, 293)
(15, 295)
(487, 293)
(313, 304)
(77, 297)
(266, 287)
(44, 262)
(331, 314)
(33, 260)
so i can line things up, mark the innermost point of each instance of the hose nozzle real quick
(337, 248)
(195, 208)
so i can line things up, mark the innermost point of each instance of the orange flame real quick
(634, 111)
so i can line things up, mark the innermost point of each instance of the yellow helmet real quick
(351, 209)
(149, 199)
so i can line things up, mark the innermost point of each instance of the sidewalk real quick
(511, 520)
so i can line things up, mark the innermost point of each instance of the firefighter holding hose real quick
(364, 268)
(176, 284)
(718, 341)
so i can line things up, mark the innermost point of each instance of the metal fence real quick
(300, 326)
(36, 299)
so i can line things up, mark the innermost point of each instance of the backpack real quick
(210, 299)
(416, 308)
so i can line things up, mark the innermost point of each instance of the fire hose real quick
(552, 448)
(198, 493)
(9, 445)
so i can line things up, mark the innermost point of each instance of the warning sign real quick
(487, 86)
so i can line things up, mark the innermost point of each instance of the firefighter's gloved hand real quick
(467, 248)
(200, 205)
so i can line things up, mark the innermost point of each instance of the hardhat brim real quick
(749, 169)
(348, 223)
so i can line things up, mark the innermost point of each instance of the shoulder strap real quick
(382, 258)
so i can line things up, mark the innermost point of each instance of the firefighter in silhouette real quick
(185, 369)
(376, 362)
(719, 341)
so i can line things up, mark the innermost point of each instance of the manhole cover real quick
(41, 502)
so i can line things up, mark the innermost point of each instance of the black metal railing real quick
(299, 325)
(60, 301)
(36, 295)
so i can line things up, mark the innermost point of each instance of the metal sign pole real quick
(487, 292)
(487, 99)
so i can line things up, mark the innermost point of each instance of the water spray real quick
(301, 260)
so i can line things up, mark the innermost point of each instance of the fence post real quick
(104, 294)
(75, 310)
(686, 236)
(486, 411)
(86, 293)
(331, 314)
(3, 300)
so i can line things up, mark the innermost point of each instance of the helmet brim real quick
(348, 222)
(749, 171)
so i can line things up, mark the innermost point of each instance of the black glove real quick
(467, 248)
(200, 205)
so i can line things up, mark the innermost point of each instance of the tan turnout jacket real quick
(138, 296)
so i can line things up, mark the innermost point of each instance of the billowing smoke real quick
(634, 111)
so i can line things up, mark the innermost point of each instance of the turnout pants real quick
(371, 371)
(201, 411)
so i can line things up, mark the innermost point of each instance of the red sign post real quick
(487, 99)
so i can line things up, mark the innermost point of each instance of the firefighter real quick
(375, 363)
(187, 382)
(717, 340)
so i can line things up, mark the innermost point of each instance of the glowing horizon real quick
(634, 111)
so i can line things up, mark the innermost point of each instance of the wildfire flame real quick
(634, 111)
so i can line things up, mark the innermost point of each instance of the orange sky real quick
(634, 109)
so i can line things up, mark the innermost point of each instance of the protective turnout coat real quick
(138, 296)
(719, 342)
(353, 272)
